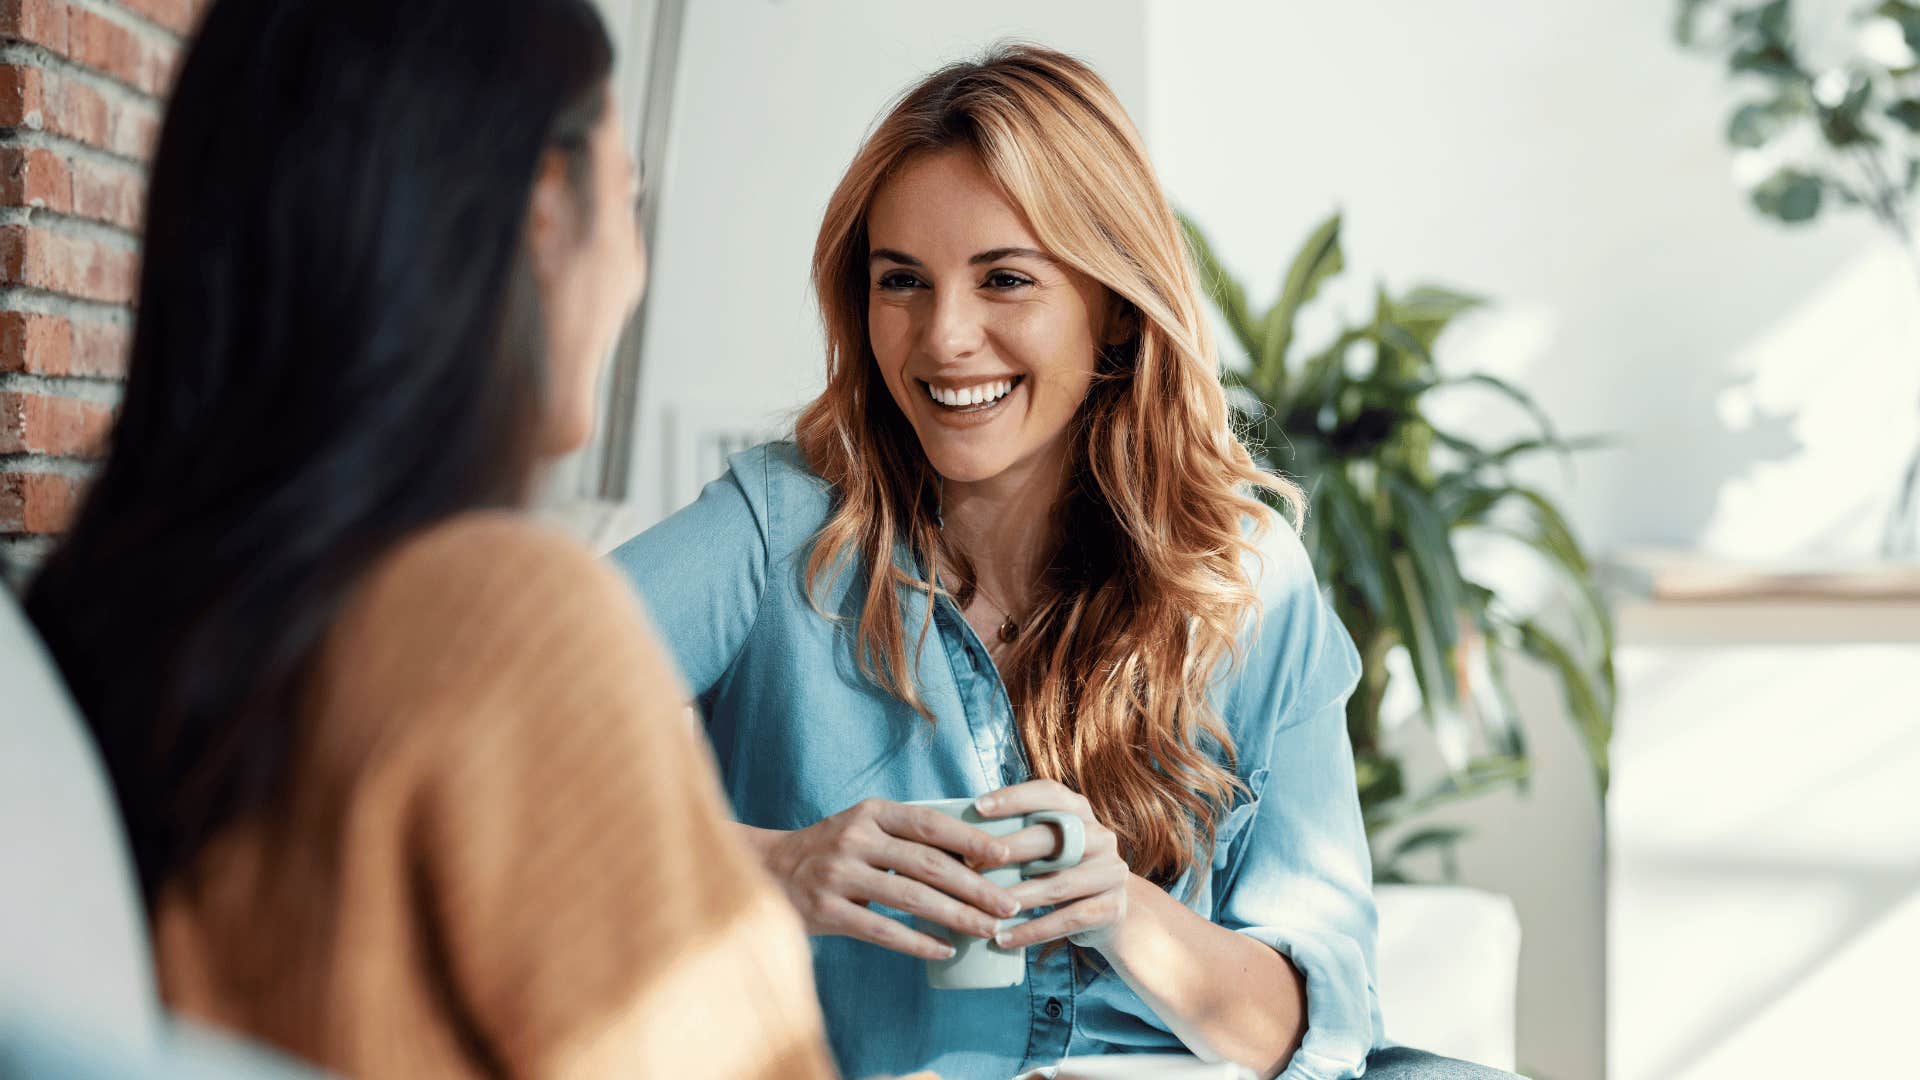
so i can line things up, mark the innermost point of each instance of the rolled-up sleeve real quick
(1299, 877)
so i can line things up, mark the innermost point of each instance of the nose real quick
(954, 329)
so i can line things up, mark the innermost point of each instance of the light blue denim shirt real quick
(799, 735)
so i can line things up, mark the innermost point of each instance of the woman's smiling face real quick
(986, 343)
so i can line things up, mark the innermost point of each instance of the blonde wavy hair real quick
(1146, 594)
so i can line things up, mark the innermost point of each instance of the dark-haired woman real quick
(400, 799)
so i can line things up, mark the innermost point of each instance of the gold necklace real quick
(1008, 628)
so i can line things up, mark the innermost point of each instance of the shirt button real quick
(1054, 1008)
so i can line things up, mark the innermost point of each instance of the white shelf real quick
(1678, 598)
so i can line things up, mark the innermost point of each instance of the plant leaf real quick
(1583, 699)
(1502, 719)
(1842, 124)
(1430, 837)
(1418, 624)
(1426, 310)
(1424, 529)
(1341, 506)
(1772, 60)
(1317, 261)
(1790, 195)
(1554, 539)
(1756, 123)
(1322, 375)
(1512, 393)
(1480, 776)
(1475, 457)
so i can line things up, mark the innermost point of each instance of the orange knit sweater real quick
(501, 849)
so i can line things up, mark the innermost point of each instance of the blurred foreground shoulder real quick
(494, 606)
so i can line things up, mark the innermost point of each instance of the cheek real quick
(889, 335)
(623, 267)
(1055, 347)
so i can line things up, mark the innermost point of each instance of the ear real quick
(553, 214)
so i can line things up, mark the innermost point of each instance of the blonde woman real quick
(1014, 553)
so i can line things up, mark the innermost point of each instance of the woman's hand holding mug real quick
(833, 869)
(1089, 899)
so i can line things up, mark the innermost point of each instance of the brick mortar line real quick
(21, 556)
(95, 390)
(73, 148)
(29, 54)
(31, 301)
(46, 465)
(39, 217)
(129, 20)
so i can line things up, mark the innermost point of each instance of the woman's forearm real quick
(1225, 995)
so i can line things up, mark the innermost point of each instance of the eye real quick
(1005, 280)
(895, 280)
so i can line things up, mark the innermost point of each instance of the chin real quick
(964, 465)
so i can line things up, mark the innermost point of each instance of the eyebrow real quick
(993, 255)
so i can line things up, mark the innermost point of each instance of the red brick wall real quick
(82, 84)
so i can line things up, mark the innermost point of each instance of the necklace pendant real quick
(1009, 630)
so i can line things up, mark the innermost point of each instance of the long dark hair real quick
(338, 343)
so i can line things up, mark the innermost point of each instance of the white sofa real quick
(77, 990)
(1449, 970)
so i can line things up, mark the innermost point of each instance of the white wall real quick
(1565, 159)
(772, 99)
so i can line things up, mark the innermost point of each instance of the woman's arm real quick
(1225, 995)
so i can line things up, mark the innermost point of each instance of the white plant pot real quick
(1449, 968)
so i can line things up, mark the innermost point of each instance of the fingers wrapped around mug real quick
(1089, 898)
(897, 855)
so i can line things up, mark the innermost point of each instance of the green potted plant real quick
(1842, 130)
(1389, 492)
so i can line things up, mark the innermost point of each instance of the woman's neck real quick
(1007, 526)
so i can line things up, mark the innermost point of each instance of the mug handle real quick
(1073, 841)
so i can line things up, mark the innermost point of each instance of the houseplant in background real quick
(1833, 118)
(1389, 491)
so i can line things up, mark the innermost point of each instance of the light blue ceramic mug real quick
(977, 963)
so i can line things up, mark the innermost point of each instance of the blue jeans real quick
(1406, 1063)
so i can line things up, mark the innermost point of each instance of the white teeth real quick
(972, 395)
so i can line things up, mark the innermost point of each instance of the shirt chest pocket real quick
(1229, 838)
